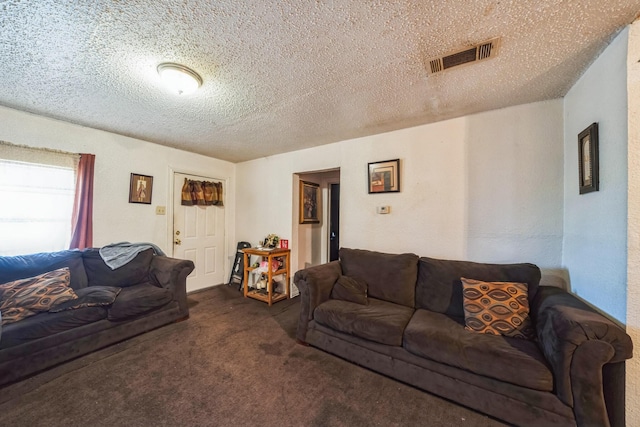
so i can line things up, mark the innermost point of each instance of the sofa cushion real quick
(350, 289)
(139, 299)
(444, 339)
(439, 287)
(498, 308)
(389, 277)
(132, 273)
(23, 266)
(93, 296)
(45, 324)
(26, 297)
(379, 321)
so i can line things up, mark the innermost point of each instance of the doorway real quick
(198, 235)
(334, 221)
(317, 243)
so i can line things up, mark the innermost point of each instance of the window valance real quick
(201, 193)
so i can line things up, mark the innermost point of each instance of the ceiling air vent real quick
(479, 52)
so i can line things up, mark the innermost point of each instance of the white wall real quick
(484, 187)
(114, 219)
(633, 231)
(595, 225)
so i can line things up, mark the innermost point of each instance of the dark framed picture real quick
(140, 188)
(588, 159)
(384, 177)
(309, 197)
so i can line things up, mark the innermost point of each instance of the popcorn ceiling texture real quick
(282, 76)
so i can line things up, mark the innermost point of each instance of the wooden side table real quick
(271, 296)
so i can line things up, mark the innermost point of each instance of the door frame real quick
(170, 201)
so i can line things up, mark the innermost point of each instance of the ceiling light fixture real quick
(179, 78)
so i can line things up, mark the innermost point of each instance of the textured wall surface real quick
(486, 187)
(595, 224)
(633, 233)
(286, 75)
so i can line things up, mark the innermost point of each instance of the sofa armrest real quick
(171, 273)
(315, 285)
(577, 341)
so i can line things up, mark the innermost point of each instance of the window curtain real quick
(201, 193)
(82, 218)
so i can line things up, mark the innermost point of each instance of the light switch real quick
(161, 210)
(383, 209)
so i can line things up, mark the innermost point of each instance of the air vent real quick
(479, 52)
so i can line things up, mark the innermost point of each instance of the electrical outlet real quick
(161, 210)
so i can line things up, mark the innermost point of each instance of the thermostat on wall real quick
(383, 209)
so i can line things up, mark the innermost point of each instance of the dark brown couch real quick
(412, 329)
(151, 292)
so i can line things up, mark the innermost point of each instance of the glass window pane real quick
(36, 204)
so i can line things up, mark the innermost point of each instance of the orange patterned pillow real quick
(26, 297)
(497, 308)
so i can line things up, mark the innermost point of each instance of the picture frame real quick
(384, 176)
(588, 159)
(309, 206)
(140, 188)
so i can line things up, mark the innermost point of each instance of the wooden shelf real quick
(270, 296)
(275, 297)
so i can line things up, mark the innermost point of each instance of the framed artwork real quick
(384, 177)
(309, 197)
(588, 159)
(140, 188)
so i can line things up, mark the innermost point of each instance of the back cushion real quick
(132, 273)
(389, 277)
(439, 287)
(23, 266)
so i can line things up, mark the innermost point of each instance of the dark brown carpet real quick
(233, 363)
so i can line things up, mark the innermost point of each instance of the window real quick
(36, 200)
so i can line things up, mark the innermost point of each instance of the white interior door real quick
(198, 235)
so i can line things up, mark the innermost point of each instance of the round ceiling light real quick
(179, 78)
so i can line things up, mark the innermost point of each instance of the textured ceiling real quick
(285, 75)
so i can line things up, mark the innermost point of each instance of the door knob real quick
(178, 242)
(177, 232)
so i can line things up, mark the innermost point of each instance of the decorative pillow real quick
(497, 308)
(350, 289)
(26, 297)
(92, 296)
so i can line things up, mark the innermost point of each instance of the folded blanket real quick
(116, 255)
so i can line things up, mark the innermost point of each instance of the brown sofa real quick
(147, 292)
(412, 328)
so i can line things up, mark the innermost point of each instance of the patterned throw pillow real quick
(497, 308)
(26, 297)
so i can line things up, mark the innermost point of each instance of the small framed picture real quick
(588, 159)
(309, 197)
(384, 177)
(140, 188)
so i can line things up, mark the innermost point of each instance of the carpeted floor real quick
(233, 363)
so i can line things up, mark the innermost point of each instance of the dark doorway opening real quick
(334, 222)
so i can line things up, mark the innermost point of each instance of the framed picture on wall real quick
(588, 159)
(309, 197)
(140, 188)
(384, 177)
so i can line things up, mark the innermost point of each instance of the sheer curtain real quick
(37, 188)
